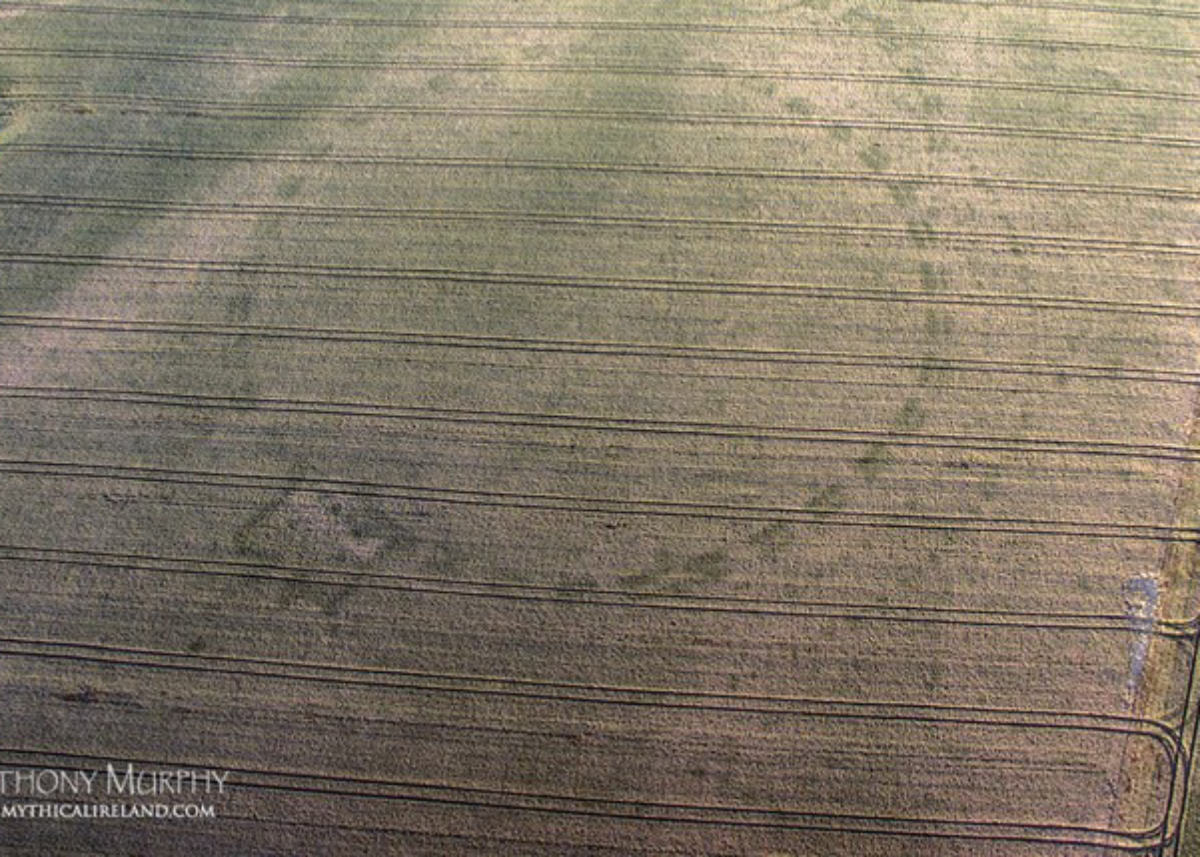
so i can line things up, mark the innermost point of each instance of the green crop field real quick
(579, 427)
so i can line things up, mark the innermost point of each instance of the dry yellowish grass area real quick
(597, 428)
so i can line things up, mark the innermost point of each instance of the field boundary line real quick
(1179, 569)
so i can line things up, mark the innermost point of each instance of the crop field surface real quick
(579, 427)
